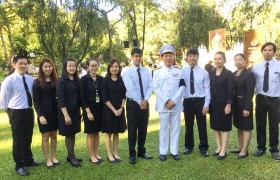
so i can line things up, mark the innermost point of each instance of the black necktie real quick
(140, 83)
(266, 76)
(192, 82)
(27, 92)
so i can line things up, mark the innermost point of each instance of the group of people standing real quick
(221, 93)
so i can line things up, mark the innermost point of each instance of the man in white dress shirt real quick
(16, 100)
(196, 102)
(267, 73)
(139, 87)
(168, 87)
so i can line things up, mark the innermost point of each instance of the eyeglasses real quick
(137, 56)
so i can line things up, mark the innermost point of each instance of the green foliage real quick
(195, 19)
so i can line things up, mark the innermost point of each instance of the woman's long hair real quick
(42, 77)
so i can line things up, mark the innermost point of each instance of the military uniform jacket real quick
(168, 85)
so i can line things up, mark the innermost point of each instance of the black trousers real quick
(193, 108)
(22, 123)
(137, 123)
(267, 105)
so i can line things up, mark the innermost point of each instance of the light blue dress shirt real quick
(274, 78)
(13, 93)
(201, 84)
(131, 82)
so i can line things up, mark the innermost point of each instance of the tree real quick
(195, 19)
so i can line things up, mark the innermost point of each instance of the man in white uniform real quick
(168, 87)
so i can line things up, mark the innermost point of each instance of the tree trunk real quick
(144, 28)
(3, 44)
(110, 35)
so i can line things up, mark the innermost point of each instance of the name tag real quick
(175, 75)
(277, 73)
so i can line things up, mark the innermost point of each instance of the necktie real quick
(266, 77)
(140, 83)
(192, 82)
(27, 92)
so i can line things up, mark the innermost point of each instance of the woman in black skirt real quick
(69, 115)
(221, 87)
(90, 93)
(244, 86)
(113, 94)
(44, 97)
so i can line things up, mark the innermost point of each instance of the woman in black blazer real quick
(44, 97)
(69, 116)
(221, 87)
(90, 93)
(113, 122)
(244, 86)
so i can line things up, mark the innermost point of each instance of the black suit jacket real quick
(68, 94)
(244, 86)
(221, 88)
(88, 91)
(44, 98)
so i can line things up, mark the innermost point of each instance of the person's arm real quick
(179, 94)
(206, 85)
(36, 97)
(129, 85)
(249, 91)
(150, 86)
(5, 95)
(229, 90)
(84, 99)
(61, 99)
(105, 97)
(157, 89)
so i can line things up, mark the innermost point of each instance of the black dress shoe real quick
(34, 163)
(112, 161)
(145, 156)
(132, 160)
(56, 163)
(236, 151)
(215, 153)
(175, 157)
(162, 157)
(78, 159)
(204, 153)
(118, 159)
(275, 155)
(97, 162)
(187, 151)
(74, 162)
(22, 171)
(50, 167)
(222, 157)
(242, 156)
(258, 152)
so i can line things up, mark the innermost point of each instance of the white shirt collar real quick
(18, 75)
(135, 68)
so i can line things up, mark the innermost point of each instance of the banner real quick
(217, 40)
(253, 41)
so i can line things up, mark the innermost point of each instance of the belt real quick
(195, 98)
(267, 97)
(25, 109)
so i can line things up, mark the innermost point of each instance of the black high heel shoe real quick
(117, 159)
(243, 156)
(74, 162)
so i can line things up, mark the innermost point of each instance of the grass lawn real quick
(193, 166)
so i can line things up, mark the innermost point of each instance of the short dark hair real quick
(269, 44)
(64, 69)
(136, 51)
(20, 56)
(192, 51)
(113, 61)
